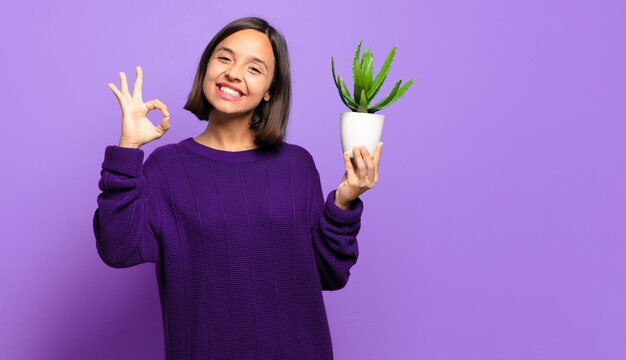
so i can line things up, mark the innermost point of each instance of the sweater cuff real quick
(127, 161)
(340, 215)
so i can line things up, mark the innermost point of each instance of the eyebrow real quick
(256, 59)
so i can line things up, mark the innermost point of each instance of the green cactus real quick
(366, 88)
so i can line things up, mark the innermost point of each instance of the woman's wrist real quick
(342, 205)
(128, 145)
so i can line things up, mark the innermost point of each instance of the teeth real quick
(230, 91)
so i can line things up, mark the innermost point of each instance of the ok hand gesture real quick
(137, 129)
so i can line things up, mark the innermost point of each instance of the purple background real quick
(497, 229)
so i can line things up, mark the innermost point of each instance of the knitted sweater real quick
(243, 245)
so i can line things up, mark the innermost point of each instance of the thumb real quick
(164, 125)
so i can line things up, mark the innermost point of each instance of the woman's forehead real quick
(248, 43)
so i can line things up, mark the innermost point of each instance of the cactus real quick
(366, 88)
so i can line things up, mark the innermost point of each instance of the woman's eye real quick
(255, 69)
(223, 58)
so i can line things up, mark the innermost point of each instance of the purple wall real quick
(496, 230)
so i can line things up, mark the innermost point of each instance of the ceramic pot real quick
(360, 129)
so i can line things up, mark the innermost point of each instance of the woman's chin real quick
(220, 113)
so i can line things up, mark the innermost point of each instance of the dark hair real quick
(269, 120)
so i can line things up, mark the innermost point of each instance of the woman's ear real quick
(267, 96)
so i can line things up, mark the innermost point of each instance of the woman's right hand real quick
(137, 129)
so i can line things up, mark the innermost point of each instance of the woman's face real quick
(239, 73)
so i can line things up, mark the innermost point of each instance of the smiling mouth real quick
(228, 91)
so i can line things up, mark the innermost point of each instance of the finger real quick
(359, 161)
(123, 83)
(353, 162)
(157, 104)
(116, 92)
(138, 83)
(379, 151)
(369, 162)
(164, 125)
(348, 161)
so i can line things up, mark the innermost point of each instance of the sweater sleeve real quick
(333, 232)
(127, 221)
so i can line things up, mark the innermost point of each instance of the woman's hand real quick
(137, 130)
(356, 182)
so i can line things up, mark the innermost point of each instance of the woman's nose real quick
(233, 72)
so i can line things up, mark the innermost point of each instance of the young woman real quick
(234, 219)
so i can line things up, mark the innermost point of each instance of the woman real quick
(234, 219)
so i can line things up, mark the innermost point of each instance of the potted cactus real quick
(361, 126)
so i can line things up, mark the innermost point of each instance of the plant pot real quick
(360, 129)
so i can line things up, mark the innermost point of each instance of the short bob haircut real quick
(269, 120)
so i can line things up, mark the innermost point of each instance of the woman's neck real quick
(229, 134)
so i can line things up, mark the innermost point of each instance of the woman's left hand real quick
(356, 182)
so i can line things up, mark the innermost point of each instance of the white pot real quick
(361, 129)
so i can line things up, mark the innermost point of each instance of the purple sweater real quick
(243, 245)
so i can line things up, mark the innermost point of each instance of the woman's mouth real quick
(228, 93)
